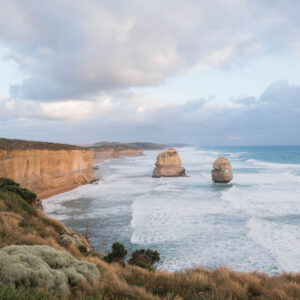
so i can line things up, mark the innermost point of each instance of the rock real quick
(168, 164)
(44, 267)
(222, 170)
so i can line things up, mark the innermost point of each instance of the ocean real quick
(252, 223)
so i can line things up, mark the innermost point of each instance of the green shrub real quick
(118, 253)
(84, 249)
(144, 265)
(8, 185)
(145, 259)
(7, 182)
(29, 196)
(118, 250)
(16, 203)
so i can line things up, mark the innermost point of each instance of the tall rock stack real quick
(222, 170)
(168, 164)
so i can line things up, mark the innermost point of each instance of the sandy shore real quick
(54, 191)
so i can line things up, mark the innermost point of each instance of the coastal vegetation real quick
(11, 144)
(48, 249)
(134, 145)
(117, 254)
(146, 259)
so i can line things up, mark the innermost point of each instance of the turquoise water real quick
(253, 223)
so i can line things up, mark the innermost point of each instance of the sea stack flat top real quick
(168, 157)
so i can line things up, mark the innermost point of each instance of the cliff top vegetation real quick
(11, 144)
(135, 145)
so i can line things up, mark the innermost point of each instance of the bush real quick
(119, 250)
(118, 253)
(29, 196)
(84, 249)
(9, 185)
(16, 203)
(144, 265)
(44, 267)
(145, 259)
(7, 182)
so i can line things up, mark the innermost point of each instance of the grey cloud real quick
(274, 119)
(76, 50)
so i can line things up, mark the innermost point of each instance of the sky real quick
(193, 71)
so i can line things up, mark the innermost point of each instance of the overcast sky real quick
(196, 71)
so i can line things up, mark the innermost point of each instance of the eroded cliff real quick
(45, 168)
(107, 152)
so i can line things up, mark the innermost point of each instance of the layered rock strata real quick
(222, 170)
(168, 164)
(47, 171)
(102, 153)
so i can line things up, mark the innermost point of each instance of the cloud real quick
(80, 50)
(272, 118)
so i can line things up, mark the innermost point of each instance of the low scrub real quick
(44, 267)
(9, 293)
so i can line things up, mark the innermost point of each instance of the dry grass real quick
(133, 282)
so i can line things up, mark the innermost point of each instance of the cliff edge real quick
(109, 151)
(45, 168)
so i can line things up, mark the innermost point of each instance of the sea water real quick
(252, 223)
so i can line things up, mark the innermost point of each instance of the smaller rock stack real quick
(168, 164)
(222, 170)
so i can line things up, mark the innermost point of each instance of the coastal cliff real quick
(114, 151)
(45, 168)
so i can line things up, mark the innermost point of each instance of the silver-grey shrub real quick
(44, 267)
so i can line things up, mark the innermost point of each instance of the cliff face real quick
(102, 153)
(47, 172)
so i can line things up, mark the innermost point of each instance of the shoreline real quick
(48, 193)
(56, 191)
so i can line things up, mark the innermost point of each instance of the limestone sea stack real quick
(222, 170)
(168, 164)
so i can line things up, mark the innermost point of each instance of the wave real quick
(272, 164)
(279, 240)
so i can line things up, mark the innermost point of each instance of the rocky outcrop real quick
(44, 267)
(168, 164)
(102, 153)
(222, 170)
(46, 168)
